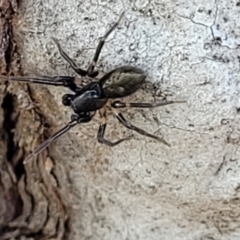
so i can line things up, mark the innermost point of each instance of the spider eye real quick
(66, 100)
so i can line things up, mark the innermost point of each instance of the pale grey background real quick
(142, 189)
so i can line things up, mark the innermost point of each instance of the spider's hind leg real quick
(73, 65)
(91, 67)
(129, 125)
(102, 128)
(90, 71)
(121, 104)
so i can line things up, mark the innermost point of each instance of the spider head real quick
(67, 100)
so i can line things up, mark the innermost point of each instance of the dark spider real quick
(85, 101)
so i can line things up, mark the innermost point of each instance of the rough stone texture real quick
(142, 189)
(32, 205)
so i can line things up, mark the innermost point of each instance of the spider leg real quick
(120, 104)
(73, 65)
(129, 125)
(90, 71)
(102, 128)
(47, 142)
(75, 120)
(64, 81)
(91, 67)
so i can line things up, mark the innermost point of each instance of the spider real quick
(96, 96)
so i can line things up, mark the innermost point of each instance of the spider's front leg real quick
(63, 81)
(75, 119)
(102, 128)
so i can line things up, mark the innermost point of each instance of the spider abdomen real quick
(122, 81)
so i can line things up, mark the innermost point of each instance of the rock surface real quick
(141, 189)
